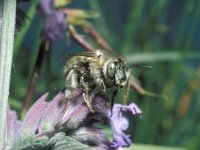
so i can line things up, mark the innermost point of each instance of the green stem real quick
(48, 67)
(34, 76)
(20, 36)
(156, 57)
(7, 28)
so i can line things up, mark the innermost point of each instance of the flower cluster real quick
(55, 22)
(73, 119)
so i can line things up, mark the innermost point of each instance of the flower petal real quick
(55, 25)
(119, 123)
(46, 7)
(75, 112)
(12, 128)
(33, 117)
(133, 109)
(52, 113)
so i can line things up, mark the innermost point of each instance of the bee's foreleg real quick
(86, 97)
(126, 94)
(71, 83)
(104, 90)
(112, 101)
(68, 93)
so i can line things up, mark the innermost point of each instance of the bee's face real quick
(116, 70)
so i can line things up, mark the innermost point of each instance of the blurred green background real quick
(161, 33)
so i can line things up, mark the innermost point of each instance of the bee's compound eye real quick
(111, 70)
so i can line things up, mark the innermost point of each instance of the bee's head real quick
(119, 72)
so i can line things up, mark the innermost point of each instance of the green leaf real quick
(30, 143)
(62, 3)
(79, 16)
(152, 147)
(14, 103)
(65, 142)
(80, 13)
(162, 56)
(58, 142)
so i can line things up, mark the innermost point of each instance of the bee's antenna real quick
(141, 66)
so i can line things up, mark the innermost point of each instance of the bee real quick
(96, 72)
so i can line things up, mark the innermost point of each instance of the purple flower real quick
(55, 22)
(12, 128)
(119, 123)
(55, 25)
(46, 7)
(75, 119)
(33, 117)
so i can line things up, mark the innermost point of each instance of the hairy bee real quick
(96, 72)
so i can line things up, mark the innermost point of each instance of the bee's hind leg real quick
(86, 97)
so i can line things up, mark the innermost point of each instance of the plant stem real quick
(20, 36)
(34, 76)
(97, 37)
(48, 67)
(80, 40)
(7, 28)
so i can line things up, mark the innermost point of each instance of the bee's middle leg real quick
(86, 97)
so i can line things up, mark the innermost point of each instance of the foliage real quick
(63, 124)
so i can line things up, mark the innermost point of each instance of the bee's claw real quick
(107, 104)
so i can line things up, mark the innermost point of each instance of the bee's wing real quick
(68, 56)
(88, 54)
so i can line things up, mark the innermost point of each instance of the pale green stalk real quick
(7, 28)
